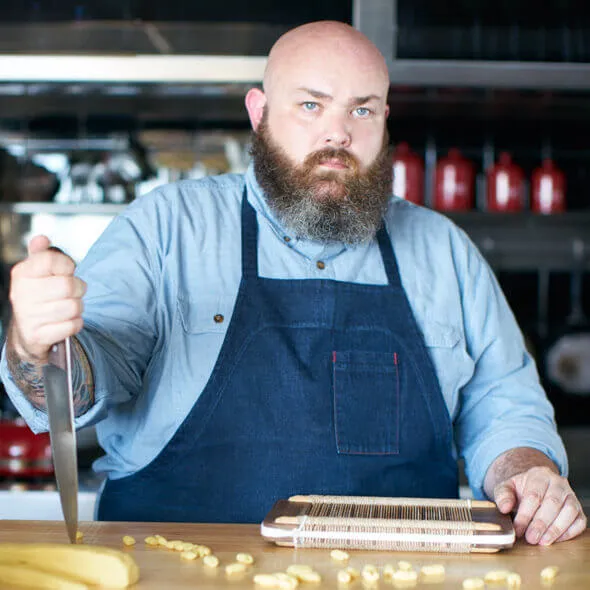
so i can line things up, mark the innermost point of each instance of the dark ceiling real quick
(287, 12)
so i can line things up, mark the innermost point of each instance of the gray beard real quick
(304, 205)
(313, 219)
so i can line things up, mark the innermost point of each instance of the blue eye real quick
(363, 111)
(310, 106)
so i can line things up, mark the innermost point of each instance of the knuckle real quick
(80, 286)
(554, 531)
(533, 497)
(571, 502)
(77, 325)
(67, 287)
(73, 308)
(78, 307)
(540, 524)
(555, 501)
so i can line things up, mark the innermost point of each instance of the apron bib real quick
(320, 387)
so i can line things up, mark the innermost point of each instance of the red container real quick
(453, 183)
(548, 189)
(24, 454)
(408, 174)
(505, 185)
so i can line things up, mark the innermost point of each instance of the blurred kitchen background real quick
(490, 116)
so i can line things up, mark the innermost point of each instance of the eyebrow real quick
(357, 100)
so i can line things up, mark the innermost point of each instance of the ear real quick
(255, 102)
(386, 111)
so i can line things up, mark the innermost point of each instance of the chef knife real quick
(57, 380)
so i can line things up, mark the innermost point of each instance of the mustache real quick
(325, 154)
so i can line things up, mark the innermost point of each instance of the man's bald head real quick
(322, 44)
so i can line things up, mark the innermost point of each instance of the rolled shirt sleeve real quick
(503, 406)
(120, 318)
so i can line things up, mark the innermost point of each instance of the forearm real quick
(28, 376)
(512, 463)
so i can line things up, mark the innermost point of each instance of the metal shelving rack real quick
(378, 20)
(153, 76)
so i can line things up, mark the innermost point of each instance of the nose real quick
(337, 134)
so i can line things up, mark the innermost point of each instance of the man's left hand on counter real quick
(526, 482)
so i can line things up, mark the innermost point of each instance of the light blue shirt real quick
(169, 266)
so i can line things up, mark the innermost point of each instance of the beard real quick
(345, 205)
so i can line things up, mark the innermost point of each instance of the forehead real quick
(337, 71)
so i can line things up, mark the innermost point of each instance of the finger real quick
(531, 498)
(60, 310)
(38, 244)
(577, 528)
(33, 292)
(36, 346)
(559, 510)
(551, 505)
(44, 263)
(49, 334)
(505, 496)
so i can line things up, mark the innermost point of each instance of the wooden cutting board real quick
(162, 569)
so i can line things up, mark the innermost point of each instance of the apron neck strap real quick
(250, 245)
(388, 256)
(249, 238)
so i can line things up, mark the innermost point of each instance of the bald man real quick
(297, 329)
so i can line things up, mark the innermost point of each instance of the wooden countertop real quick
(162, 569)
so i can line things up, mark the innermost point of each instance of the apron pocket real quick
(366, 402)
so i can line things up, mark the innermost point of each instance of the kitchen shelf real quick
(490, 74)
(146, 69)
(513, 242)
(209, 69)
(378, 20)
(527, 241)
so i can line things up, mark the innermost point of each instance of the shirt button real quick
(287, 238)
(321, 265)
(218, 318)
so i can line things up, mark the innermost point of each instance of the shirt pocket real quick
(446, 347)
(366, 402)
(201, 329)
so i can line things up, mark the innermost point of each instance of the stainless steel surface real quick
(529, 241)
(131, 37)
(490, 74)
(378, 20)
(155, 69)
(57, 377)
(209, 69)
(123, 52)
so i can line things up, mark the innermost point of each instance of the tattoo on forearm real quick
(28, 376)
(82, 379)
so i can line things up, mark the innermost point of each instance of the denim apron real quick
(320, 387)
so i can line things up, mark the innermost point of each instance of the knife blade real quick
(57, 380)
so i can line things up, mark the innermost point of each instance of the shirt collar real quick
(310, 249)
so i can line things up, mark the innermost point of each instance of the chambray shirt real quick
(162, 283)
